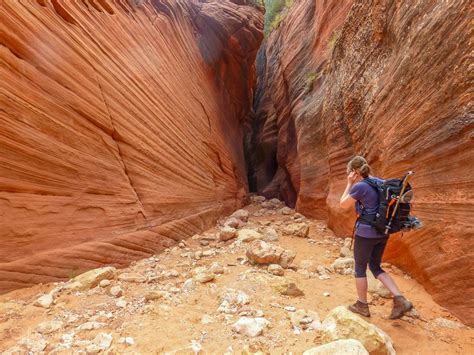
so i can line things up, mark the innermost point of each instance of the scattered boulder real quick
(216, 268)
(49, 327)
(233, 222)
(270, 234)
(132, 277)
(116, 291)
(297, 229)
(251, 327)
(303, 319)
(90, 326)
(249, 235)
(291, 290)
(92, 278)
(205, 276)
(286, 258)
(105, 283)
(308, 265)
(35, 343)
(341, 323)
(276, 269)
(227, 233)
(232, 301)
(101, 342)
(376, 287)
(155, 295)
(260, 252)
(241, 214)
(342, 264)
(339, 347)
(44, 301)
(286, 211)
(189, 285)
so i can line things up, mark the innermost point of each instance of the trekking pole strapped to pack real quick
(398, 200)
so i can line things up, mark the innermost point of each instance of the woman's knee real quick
(376, 269)
(360, 269)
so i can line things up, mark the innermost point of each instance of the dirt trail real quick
(174, 323)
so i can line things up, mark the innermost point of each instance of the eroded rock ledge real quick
(389, 81)
(117, 137)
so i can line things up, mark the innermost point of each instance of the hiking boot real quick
(360, 308)
(400, 306)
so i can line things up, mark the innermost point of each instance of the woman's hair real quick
(359, 164)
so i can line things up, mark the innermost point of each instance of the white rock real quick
(241, 214)
(49, 327)
(116, 291)
(204, 277)
(44, 301)
(339, 347)
(92, 278)
(341, 264)
(232, 300)
(248, 235)
(286, 210)
(276, 269)
(341, 323)
(121, 303)
(216, 268)
(326, 294)
(270, 234)
(90, 326)
(305, 319)
(297, 229)
(104, 283)
(132, 277)
(189, 285)
(290, 308)
(251, 327)
(34, 343)
(102, 341)
(127, 340)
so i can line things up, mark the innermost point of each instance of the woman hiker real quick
(369, 244)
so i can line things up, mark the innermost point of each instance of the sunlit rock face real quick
(121, 128)
(388, 81)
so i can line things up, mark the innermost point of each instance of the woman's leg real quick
(378, 272)
(362, 252)
(400, 304)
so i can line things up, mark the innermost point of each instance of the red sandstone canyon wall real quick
(120, 128)
(389, 80)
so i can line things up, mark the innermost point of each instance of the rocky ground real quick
(265, 280)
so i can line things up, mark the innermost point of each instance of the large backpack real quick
(389, 192)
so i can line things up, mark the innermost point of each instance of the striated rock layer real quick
(121, 128)
(389, 80)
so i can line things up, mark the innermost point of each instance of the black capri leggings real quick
(368, 251)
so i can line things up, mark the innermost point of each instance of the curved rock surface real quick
(389, 81)
(117, 137)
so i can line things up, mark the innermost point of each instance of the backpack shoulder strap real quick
(371, 182)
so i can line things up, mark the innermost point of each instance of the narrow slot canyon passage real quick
(171, 174)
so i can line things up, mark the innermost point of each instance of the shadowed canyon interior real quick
(124, 126)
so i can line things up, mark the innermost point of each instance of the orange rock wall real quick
(388, 80)
(120, 128)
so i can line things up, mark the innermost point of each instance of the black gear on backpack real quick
(389, 192)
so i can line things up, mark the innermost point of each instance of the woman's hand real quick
(352, 177)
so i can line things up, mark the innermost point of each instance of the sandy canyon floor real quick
(157, 309)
